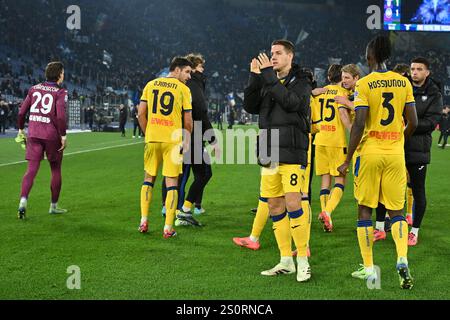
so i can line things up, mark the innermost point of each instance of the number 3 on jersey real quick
(46, 103)
(388, 96)
(165, 102)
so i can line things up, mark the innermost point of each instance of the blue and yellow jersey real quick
(166, 99)
(385, 94)
(332, 130)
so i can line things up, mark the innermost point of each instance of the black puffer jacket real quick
(197, 85)
(429, 109)
(284, 107)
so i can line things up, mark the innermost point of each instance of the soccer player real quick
(164, 103)
(46, 103)
(279, 91)
(331, 145)
(381, 100)
(383, 222)
(262, 211)
(350, 75)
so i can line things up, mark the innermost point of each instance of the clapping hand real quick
(264, 61)
(254, 66)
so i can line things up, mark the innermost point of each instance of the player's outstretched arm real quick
(345, 118)
(344, 101)
(355, 137)
(318, 91)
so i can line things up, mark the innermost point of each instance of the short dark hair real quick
(196, 59)
(289, 46)
(380, 48)
(53, 71)
(335, 73)
(179, 62)
(421, 60)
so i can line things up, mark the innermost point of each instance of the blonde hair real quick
(196, 59)
(352, 69)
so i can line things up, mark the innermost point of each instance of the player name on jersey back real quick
(391, 83)
(36, 118)
(43, 87)
(164, 84)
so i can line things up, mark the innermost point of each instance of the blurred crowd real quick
(123, 44)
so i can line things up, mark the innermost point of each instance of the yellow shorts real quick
(282, 179)
(168, 154)
(381, 178)
(304, 181)
(328, 159)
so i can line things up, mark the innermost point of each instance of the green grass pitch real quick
(101, 190)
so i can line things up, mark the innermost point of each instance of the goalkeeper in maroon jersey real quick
(46, 104)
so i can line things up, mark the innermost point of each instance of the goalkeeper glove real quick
(22, 139)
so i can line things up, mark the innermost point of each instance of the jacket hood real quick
(198, 76)
(301, 72)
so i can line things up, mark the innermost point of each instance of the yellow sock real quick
(262, 214)
(365, 240)
(324, 194)
(399, 230)
(335, 198)
(282, 234)
(187, 205)
(409, 200)
(306, 207)
(171, 205)
(299, 231)
(146, 198)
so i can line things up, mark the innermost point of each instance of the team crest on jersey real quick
(424, 98)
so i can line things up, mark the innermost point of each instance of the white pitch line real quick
(76, 152)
